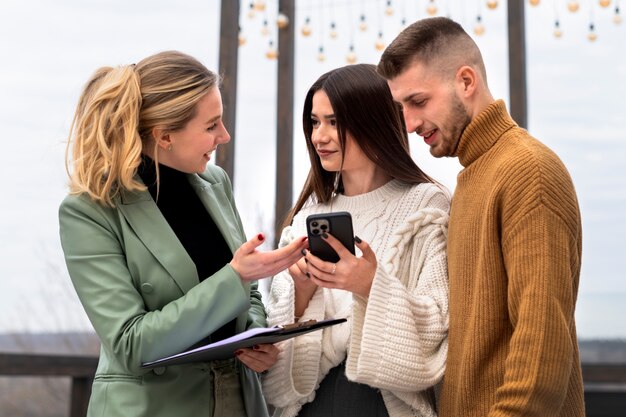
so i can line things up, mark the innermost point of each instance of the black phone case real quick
(339, 224)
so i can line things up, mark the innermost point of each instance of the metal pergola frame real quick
(229, 45)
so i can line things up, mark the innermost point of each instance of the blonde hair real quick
(116, 113)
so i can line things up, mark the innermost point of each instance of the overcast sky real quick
(49, 49)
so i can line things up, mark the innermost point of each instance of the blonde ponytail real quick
(107, 145)
(117, 112)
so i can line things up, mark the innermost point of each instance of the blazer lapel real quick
(219, 207)
(150, 226)
(223, 213)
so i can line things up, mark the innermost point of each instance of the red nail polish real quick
(261, 237)
(238, 352)
(304, 239)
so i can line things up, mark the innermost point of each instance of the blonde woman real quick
(155, 247)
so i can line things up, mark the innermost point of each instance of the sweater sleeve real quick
(399, 335)
(540, 253)
(294, 377)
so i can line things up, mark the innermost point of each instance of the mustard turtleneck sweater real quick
(514, 249)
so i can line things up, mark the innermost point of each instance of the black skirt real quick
(339, 397)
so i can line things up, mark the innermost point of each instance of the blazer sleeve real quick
(96, 258)
(257, 316)
(399, 334)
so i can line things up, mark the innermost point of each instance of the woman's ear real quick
(161, 138)
(466, 80)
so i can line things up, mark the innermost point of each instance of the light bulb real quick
(321, 57)
(351, 58)
(306, 30)
(573, 6)
(479, 29)
(592, 33)
(431, 10)
(557, 30)
(363, 24)
(271, 53)
(605, 3)
(282, 21)
(492, 4)
(380, 44)
(534, 2)
(265, 30)
(259, 5)
(333, 30)
(242, 39)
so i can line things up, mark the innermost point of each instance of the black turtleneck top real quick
(191, 222)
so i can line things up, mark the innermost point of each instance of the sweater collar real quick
(483, 132)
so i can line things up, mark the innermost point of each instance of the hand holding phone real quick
(338, 224)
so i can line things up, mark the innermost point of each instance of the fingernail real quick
(238, 352)
(260, 237)
(304, 239)
(256, 347)
(357, 239)
(325, 235)
(303, 252)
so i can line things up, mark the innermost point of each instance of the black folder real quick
(225, 349)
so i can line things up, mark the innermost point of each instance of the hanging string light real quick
(492, 4)
(351, 57)
(534, 2)
(321, 57)
(265, 30)
(333, 30)
(306, 28)
(617, 18)
(380, 42)
(432, 8)
(573, 6)
(362, 23)
(251, 11)
(260, 5)
(389, 9)
(282, 21)
(241, 37)
(557, 29)
(271, 53)
(592, 36)
(605, 3)
(557, 32)
(479, 28)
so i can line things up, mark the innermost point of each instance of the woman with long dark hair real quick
(391, 353)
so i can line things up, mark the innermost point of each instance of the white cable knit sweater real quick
(395, 340)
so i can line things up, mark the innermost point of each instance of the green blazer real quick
(142, 294)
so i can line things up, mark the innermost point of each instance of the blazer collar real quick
(146, 220)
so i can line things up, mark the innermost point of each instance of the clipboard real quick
(225, 349)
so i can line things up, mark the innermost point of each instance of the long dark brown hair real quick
(363, 106)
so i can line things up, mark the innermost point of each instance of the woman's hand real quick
(252, 264)
(349, 273)
(304, 287)
(260, 358)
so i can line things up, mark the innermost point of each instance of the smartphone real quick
(338, 224)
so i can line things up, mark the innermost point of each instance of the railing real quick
(605, 384)
(80, 368)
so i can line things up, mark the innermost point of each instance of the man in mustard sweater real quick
(514, 243)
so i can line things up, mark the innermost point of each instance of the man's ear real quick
(162, 139)
(466, 80)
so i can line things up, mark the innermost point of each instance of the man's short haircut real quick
(437, 42)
